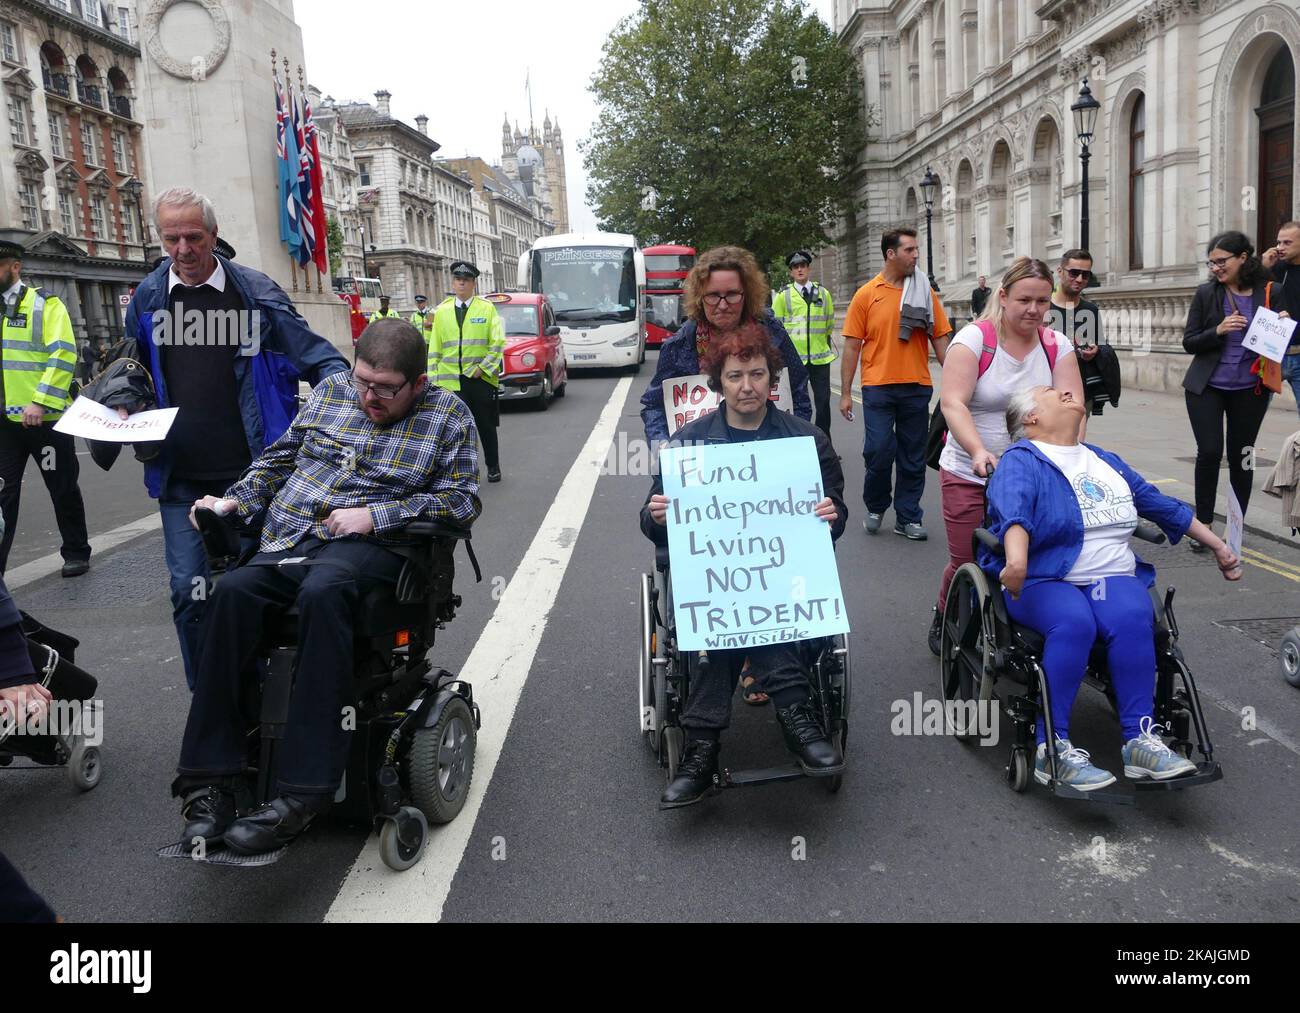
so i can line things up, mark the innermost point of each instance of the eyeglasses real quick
(718, 298)
(383, 391)
(1218, 262)
(1076, 272)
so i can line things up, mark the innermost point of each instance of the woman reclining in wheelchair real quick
(744, 366)
(1065, 512)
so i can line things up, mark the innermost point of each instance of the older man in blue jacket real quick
(224, 344)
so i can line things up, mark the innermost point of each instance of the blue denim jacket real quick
(267, 382)
(1029, 490)
(678, 357)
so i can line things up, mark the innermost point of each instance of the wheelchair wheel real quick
(442, 763)
(84, 768)
(398, 854)
(1289, 657)
(645, 663)
(1018, 770)
(965, 653)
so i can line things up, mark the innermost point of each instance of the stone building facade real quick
(73, 177)
(453, 190)
(339, 179)
(397, 199)
(515, 220)
(534, 161)
(1197, 133)
(484, 243)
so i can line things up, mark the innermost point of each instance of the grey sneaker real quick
(871, 523)
(1074, 766)
(1148, 756)
(913, 532)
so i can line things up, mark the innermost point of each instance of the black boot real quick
(273, 826)
(207, 813)
(817, 754)
(697, 775)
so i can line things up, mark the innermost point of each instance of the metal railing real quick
(89, 94)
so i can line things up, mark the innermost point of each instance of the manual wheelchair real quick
(411, 755)
(664, 680)
(981, 647)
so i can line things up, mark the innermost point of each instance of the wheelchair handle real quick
(990, 541)
(1148, 532)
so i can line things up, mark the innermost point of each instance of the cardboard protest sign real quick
(1236, 524)
(751, 562)
(1269, 335)
(687, 398)
(94, 421)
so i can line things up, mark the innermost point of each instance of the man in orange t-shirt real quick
(895, 383)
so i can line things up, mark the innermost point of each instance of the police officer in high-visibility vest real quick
(383, 311)
(466, 353)
(422, 318)
(806, 311)
(40, 357)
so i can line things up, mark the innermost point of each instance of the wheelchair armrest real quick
(435, 529)
(220, 535)
(990, 541)
(1148, 532)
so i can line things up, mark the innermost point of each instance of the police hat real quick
(224, 248)
(421, 298)
(798, 258)
(10, 251)
(464, 269)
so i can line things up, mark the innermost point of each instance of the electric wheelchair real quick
(981, 647)
(665, 674)
(53, 656)
(411, 755)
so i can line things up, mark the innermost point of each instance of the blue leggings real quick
(1070, 618)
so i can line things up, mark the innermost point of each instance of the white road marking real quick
(497, 668)
(31, 572)
(1262, 725)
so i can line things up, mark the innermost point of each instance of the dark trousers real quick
(480, 397)
(819, 380)
(897, 418)
(1244, 410)
(59, 469)
(314, 750)
(777, 667)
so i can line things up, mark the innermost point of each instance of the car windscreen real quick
(520, 319)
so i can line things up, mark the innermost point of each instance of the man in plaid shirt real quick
(368, 453)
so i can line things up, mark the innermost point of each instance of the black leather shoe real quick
(935, 635)
(75, 567)
(494, 474)
(271, 827)
(207, 813)
(697, 775)
(817, 754)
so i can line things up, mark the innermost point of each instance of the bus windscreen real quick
(588, 284)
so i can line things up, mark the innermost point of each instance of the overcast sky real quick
(353, 50)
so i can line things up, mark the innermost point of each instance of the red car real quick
(535, 367)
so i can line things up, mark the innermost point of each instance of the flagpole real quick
(275, 71)
(320, 226)
(293, 264)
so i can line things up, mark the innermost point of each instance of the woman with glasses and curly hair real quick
(1223, 380)
(725, 290)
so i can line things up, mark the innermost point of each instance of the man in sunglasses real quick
(1080, 320)
(370, 452)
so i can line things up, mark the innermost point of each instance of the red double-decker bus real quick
(666, 268)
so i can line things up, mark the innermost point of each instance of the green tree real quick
(334, 237)
(741, 121)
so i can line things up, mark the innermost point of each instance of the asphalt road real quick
(923, 829)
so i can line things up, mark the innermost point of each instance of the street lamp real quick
(136, 190)
(929, 184)
(1085, 111)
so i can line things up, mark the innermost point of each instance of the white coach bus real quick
(595, 282)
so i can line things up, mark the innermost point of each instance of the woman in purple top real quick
(1220, 385)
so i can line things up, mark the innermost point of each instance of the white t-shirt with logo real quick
(1005, 377)
(1109, 513)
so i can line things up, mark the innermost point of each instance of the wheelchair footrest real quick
(1112, 795)
(219, 855)
(1207, 771)
(767, 775)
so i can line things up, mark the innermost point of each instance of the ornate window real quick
(20, 130)
(98, 218)
(90, 143)
(1136, 181)
(9, 42)
(29, 205)
(67, 216)
(119, 152)
(58, 129)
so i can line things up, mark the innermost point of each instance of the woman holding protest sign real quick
(1006, 351)
(724, 291)
(1225, 379)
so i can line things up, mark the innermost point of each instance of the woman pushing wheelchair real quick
(1064, 512)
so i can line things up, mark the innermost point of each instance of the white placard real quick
(687, 398)
(1269, 334)
(1236, 524)
(94, 421)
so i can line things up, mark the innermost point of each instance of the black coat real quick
(713, 429)
(1200, 337)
